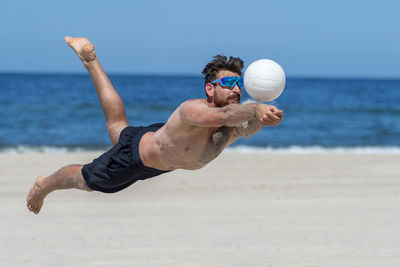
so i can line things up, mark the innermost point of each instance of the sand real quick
(260, 209)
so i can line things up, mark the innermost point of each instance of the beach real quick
(243, 209)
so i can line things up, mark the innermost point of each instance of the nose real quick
(237, 89)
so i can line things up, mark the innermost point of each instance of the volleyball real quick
(264, 80)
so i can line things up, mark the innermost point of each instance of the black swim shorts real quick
(121, 166)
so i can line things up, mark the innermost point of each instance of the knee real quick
(114, 131)
(75, 172)
(117, 126)
(73, 169)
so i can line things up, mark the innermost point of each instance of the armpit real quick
(216, 144)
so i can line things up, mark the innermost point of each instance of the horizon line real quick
(159, 74)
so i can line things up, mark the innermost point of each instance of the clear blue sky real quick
(308, 38)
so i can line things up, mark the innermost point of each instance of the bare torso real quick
(178, 145)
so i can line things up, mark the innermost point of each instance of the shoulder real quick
(193, 106)
(193, 102)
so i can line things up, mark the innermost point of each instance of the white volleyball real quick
(264, 80)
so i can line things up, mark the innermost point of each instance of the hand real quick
(269, 115)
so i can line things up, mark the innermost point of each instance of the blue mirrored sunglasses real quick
(230, 81)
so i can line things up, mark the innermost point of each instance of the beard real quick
(222, 102)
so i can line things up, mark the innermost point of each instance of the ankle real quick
(89, 63)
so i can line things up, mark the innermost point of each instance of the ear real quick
(209, 89)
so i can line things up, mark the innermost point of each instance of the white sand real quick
(241, 210)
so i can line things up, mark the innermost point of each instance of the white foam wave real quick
(315, 150)
(236, 149)
(46, 150)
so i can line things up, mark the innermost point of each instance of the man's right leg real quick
(66, 178)
(110, 100)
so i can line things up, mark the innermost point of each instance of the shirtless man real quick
(195, 134)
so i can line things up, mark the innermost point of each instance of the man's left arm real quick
(248, 128)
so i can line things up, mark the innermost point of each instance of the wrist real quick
(255, 110)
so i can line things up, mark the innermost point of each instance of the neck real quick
(209, 101)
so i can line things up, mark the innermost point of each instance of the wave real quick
(316, 150)
(24, 149)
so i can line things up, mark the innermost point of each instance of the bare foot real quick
(82, 47)
(35, 197)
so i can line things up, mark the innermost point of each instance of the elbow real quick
(243, 132)
(248, 135)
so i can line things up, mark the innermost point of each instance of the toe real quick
(68, 39)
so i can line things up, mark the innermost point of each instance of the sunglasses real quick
(230, 82)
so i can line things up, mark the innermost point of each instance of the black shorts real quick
(121, 166)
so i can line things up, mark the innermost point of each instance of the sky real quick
(308, 38)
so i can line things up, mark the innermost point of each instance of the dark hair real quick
(220, 62)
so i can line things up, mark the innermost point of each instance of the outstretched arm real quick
(272, 117)
(200, 114)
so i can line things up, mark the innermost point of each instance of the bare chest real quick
(195, 150)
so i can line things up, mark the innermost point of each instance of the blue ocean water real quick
(62, 110)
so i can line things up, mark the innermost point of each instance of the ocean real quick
(61, 112)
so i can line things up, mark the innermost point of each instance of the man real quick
(196, 132)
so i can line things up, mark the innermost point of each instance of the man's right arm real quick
(198, 113)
